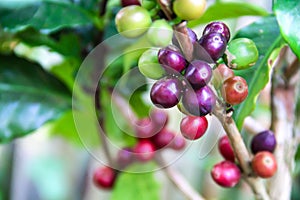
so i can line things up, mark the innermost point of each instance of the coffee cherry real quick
(144, 128)
(226, 174)
(199, 102)
(218, 27)
(264, 164)
(263, 141)
(124, 157)
(214, 43)
(160, 33)
(132, 21)
(189, 9)
(104, 177)
(191, 34)
(225, 148)
(163, 138)
(171, 59)
(149, 66)
(149, 4)
(166, 92)
(192, 127)
(144, 150)
(125, 3)
(221, 74)
(178, 143)
(234, 90)
(241, 53)
(198, 73)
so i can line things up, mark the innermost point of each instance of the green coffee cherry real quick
(241, 53)
(148, 4)
(132, 21)
(160, 33)
(149, 66)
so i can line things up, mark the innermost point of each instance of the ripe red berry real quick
(226, 174)
(234, 90)
(264, 164)
(144, 150)
(226, 149)
(104, 177)
(193, 127)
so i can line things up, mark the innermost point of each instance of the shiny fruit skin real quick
(226, 174)
(149, 66)
(160, 33)
(192, 128)
(189, 9)
(144, 150)
(199, 102)
(218, 27)
(263, 141)
(163, 138)
(166, 92)
(241, 53)
(171, 59)
(132, 21)
(234, 90)
(104, 177)
(264, 164)
(214, 43)
(225, 148)
(125, 3)
(198, 73)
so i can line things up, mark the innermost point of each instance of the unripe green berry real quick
(241, 53)
(148, 4)
(149, 65)
(160, 33)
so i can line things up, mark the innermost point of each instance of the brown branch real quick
(178, 180)
(241, 152)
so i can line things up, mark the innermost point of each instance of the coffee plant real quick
(165, 99)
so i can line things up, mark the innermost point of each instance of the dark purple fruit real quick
(163, 138)
(214, 43)
(198, 73)
(130, 2)
(171, 59)
(217, 27)
(192, 36)
(166, 92)
(263, 141)
(199, 102)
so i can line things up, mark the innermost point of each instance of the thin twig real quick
(178, 180)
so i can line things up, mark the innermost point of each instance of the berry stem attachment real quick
(181, 33)
(240, 151)
(165, 6)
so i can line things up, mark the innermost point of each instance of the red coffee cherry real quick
(144, 150)
(226, 149)
(104, 177)
(193, 127)
(264, 164)
(234, 90)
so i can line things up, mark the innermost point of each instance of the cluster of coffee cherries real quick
(227, 173)
(153, 135)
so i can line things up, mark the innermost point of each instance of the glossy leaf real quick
(226, 10)
(47, 16)
(265, 34)
(141, 186)
(288, 16)
(29, 97)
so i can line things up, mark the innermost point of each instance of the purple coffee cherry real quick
(218, 27)
(171, 59)
(166, 92)
(198, 73)
(192, 36)
(263, 141)
(199, 102)
(214, 43)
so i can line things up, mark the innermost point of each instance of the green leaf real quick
(47, 16)
(265, 34)
(29, 97)
(288, 16)
(226, 10)
(141, 186)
